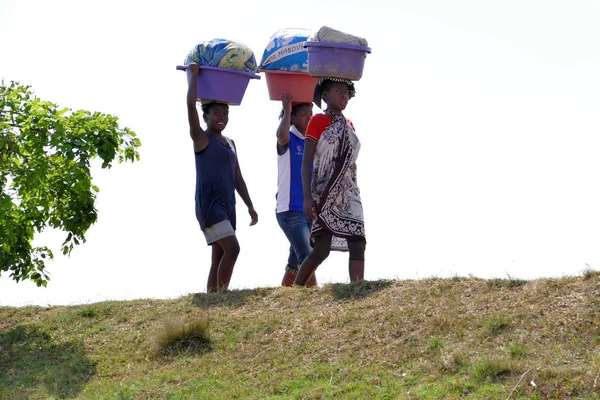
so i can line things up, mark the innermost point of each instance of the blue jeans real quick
(296, 227)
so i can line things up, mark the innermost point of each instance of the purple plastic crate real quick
(221, 84)
(342, 60)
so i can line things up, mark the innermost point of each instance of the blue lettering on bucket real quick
(284, 52)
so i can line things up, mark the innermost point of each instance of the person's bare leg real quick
(356, 269)
(290, 277)
(319, 252)
(231, 251)
(312, 281)
(217, 252)
(307, 270)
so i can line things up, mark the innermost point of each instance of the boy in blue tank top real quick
(218, 176)
(290, 149)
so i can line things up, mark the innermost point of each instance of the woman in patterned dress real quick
(331, 194)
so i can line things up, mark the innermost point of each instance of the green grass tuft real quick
(517, 350)
(491, 369)
(497, 323)
(509, 283)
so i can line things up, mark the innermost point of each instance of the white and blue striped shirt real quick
(289, 181)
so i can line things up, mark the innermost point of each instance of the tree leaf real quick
(46, 177)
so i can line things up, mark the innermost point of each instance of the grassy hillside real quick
(459, 338)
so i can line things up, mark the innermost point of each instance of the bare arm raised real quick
(198, 135)
(283, 131)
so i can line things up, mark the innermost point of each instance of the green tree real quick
(45, 177)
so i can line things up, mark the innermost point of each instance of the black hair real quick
(325, 84)
(295, 108)
(328, 83)
(207, 106)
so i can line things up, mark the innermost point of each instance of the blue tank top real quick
(215, 183)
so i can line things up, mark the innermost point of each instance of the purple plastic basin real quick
(221, 84)
(342, 60)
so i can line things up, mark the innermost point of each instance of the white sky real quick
(479, 123)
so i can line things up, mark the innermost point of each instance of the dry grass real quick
(589, 273)
(417, 339)
(175, 335)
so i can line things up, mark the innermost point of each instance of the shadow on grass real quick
(358, 289)
(228, 298)
(30, 357)
(197, 348)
